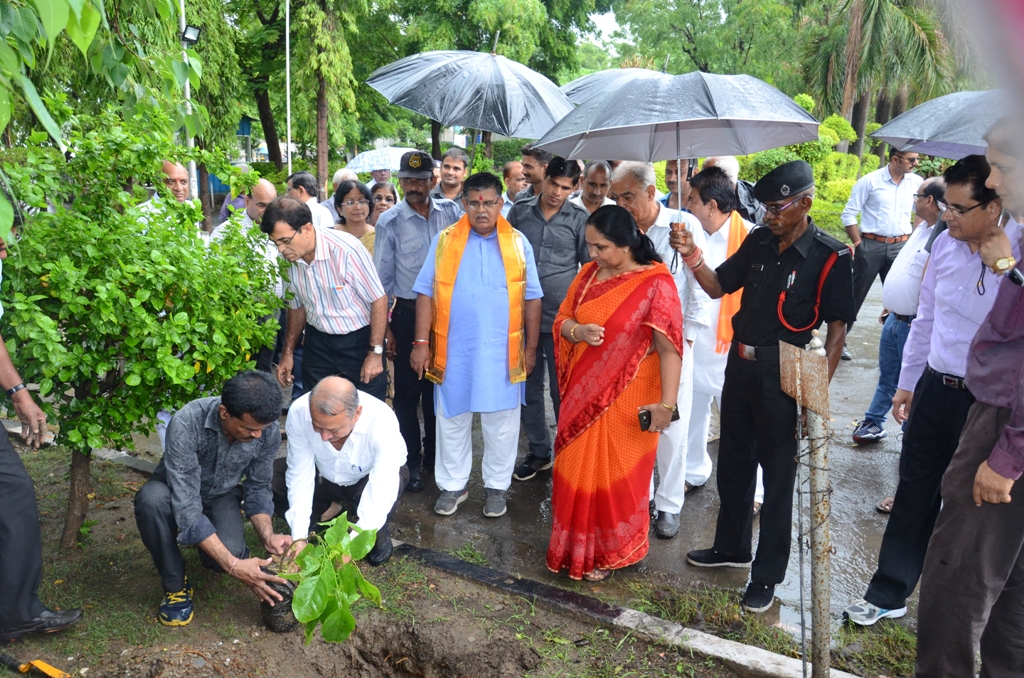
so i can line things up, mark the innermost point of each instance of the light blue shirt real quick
(884, 206)
(401, 242)
(476, 375)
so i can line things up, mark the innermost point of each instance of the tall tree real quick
(260, 49)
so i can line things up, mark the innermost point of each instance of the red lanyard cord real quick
(817, 303)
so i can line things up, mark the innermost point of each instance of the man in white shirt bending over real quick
(352, 441)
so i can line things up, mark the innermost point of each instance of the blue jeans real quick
(890, 359)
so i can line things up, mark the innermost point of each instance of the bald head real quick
(176, 179)
(333, 396)
(261, 195)
(728, 164)
(344, 174)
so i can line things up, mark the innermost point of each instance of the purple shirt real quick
(951, 308)
(995, 375)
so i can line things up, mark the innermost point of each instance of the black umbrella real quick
(473, 89)
(951, 126)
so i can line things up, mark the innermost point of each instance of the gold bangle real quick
(572, 333)
(670, 408)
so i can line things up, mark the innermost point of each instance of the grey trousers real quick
(533, 416)
(21, 549)
(872, 258)
(972, 586)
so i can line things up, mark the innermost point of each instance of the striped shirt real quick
(338, 287)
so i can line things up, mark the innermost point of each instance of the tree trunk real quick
(899, 102)
(883, 110)
(435, 139)
(860, 123)
(488, 145)
(205, 197)
(321, 137)
(269, 129)
(78, 500)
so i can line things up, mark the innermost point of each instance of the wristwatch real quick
(377, 350)
(1016, 277)
(1003, 265)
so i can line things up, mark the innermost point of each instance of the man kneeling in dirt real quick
(352, 439)
(195, 495)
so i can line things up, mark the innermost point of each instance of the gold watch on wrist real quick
(1003, 265)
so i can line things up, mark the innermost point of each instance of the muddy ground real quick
(432, 624)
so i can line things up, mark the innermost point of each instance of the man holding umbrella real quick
(793, 276)
(403, 236)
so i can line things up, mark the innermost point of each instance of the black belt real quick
(399, 301)
(757, 353)
(950, 380)
(904, 318)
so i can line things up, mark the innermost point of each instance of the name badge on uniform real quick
(757, 267)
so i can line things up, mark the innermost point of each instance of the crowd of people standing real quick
(632, 312)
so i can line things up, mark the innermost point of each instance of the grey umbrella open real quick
(473, 89)
(950, 126)
(581, 89)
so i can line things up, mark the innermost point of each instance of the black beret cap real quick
(785, 180)
(416, 165)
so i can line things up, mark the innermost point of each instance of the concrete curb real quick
(748, 661)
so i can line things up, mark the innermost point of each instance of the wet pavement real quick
(517, 542)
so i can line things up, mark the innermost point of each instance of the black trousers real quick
(758, 427)
(873, 258)
(267, 356)
(410, 390)
(937, 417)
(21, 547)
(328, 355)
(326, 493)
(533, 416)
(159, 531)
(972, 585)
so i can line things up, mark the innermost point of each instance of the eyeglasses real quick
(476, 204)
(912, 161)
(959, 213)
(353, 203)
(284, 242)
(383, 198)
(772, 209)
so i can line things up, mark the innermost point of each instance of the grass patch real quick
(886, 648)
(470, 553)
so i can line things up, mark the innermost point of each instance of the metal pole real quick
(800, 433)
(193, 182)
(821, 540)
(288, 76)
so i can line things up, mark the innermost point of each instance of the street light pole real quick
(288, 77)
(193, 183)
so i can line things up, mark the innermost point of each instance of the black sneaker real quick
(531, 465)
(758, 598)
(868, 432)
(712, 558)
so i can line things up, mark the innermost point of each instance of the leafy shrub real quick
(837, 191)
(870, 142)
(836, 166)
(805, 101)
(762, 162)
(838, 124)
(869, 163)
(507, 149)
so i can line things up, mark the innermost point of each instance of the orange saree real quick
(603, 461)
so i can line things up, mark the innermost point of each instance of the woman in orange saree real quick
(619, 334)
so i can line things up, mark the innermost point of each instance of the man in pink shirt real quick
(957, 293)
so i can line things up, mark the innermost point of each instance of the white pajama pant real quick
(455, 448)
(698, 461)
(672, 446)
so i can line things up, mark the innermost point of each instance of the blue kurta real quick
(476, 374)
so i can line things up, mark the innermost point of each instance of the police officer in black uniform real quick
(793, 276)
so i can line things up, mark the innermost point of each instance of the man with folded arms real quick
(957, 294)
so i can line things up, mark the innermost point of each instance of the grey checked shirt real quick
(199, 464)
(401, 242)
(559, 246)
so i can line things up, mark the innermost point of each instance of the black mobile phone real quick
(645, 418)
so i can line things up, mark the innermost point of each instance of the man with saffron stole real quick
(478, 313)
(713, 201)
(620, 322)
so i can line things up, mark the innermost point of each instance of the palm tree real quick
(899, 44)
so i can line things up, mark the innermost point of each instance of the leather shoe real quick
(667, 525)
(415, 483)
(382, 549)
(50, 621)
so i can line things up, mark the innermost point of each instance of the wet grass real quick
(469, 552)
(886, 648)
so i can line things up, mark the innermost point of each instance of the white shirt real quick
(375, 448)
(884, 205)
(902, 286)
(578, 200)
(708, 364)
(693, 298)
(322, 217)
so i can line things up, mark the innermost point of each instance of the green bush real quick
(805, 101)
(836, 166)
(826, 217)
(871, 143)
(755, 166)
(869, 163)
(839, 125)
(837, 191)
(481, 163)
(507, 150)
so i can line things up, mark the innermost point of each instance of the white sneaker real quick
(864, 613)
